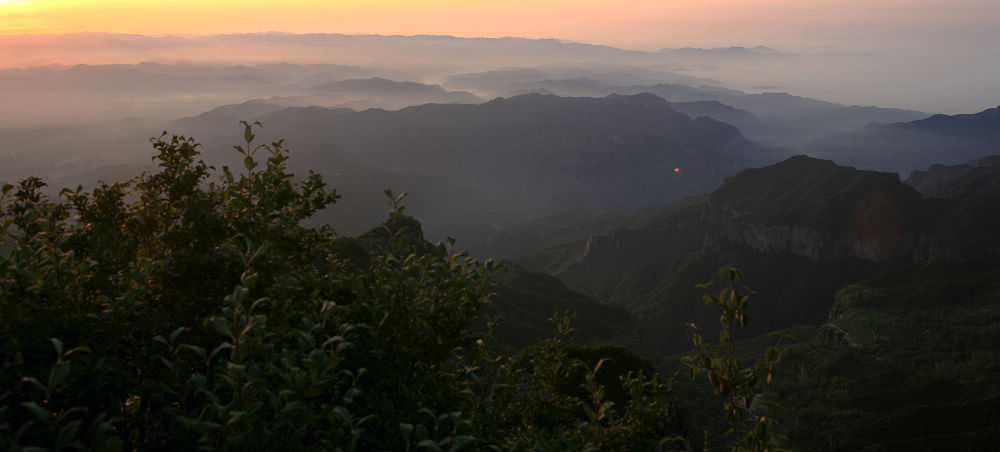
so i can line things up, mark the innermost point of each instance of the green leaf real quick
(406, 431)
(40, 414)
(429, 444)
(221, 326)
(59, 373)
(247, 132)
(239, 294)
(236, 417)
(175, 333)
(249, 163)
(222, 347)
(58, 346)
(422, 433)
(34, 382)
(67, 434)
(292, 408)
(194, 349)
(463, 443)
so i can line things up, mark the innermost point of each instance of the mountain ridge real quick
(906, 146)
(800, 229)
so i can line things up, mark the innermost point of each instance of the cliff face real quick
(803, 206)
(800, 230)
(967, 196)
(949, 181)
(813, 243)
(816, 209)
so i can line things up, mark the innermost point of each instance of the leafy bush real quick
(194, 311)
(750, 429)
(551, 397)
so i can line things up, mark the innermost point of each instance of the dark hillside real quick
(539, 151)
(904, 146)
(525, 301)
(509, 158)
(906, 362)
(949, 181)
(800, 230)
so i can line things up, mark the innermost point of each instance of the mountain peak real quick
(813, 192)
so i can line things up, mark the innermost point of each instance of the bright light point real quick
(677, 170)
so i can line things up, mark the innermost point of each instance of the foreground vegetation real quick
(186, 310)
(191, 309)
(907, 362)
(912, 365)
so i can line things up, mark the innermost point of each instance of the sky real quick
(932, 55)
(632, 24)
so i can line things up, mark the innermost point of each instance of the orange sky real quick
(638, 24)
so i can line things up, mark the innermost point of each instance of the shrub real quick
(190, 309)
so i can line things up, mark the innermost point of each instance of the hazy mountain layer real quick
(352, 94)
(905, 146)
(55, 95)
(506, 158)
(392, 94)
(772, 117)
(783, 118)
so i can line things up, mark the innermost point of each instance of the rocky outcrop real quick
(817, 209)
(831, 334)
(944, 181)
(800, 230)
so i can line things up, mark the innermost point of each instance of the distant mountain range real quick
(905, 146)
(612, 201)
(506, 158)
(741, 119)
(358, 49)
(153, 92)
(353, 94)
(401, 94)
(778, 118)
(570, 81)
(432, 59)
(732, 51)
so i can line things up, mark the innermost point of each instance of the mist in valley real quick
(855, 179)
(77, 103)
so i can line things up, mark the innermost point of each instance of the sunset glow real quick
(639, 24)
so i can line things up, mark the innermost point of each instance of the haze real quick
(611, 156)
(925, 54)
(103, 74)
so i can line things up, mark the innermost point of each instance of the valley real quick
(608, 185)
